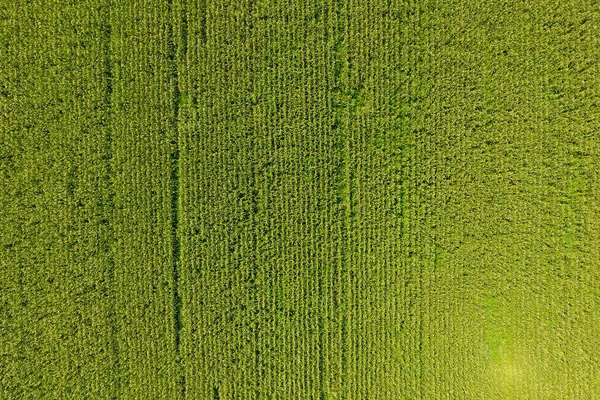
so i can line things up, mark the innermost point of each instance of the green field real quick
(300, 199)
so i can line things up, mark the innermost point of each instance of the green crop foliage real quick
(312, 199)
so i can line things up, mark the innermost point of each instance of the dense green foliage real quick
(314, 199)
